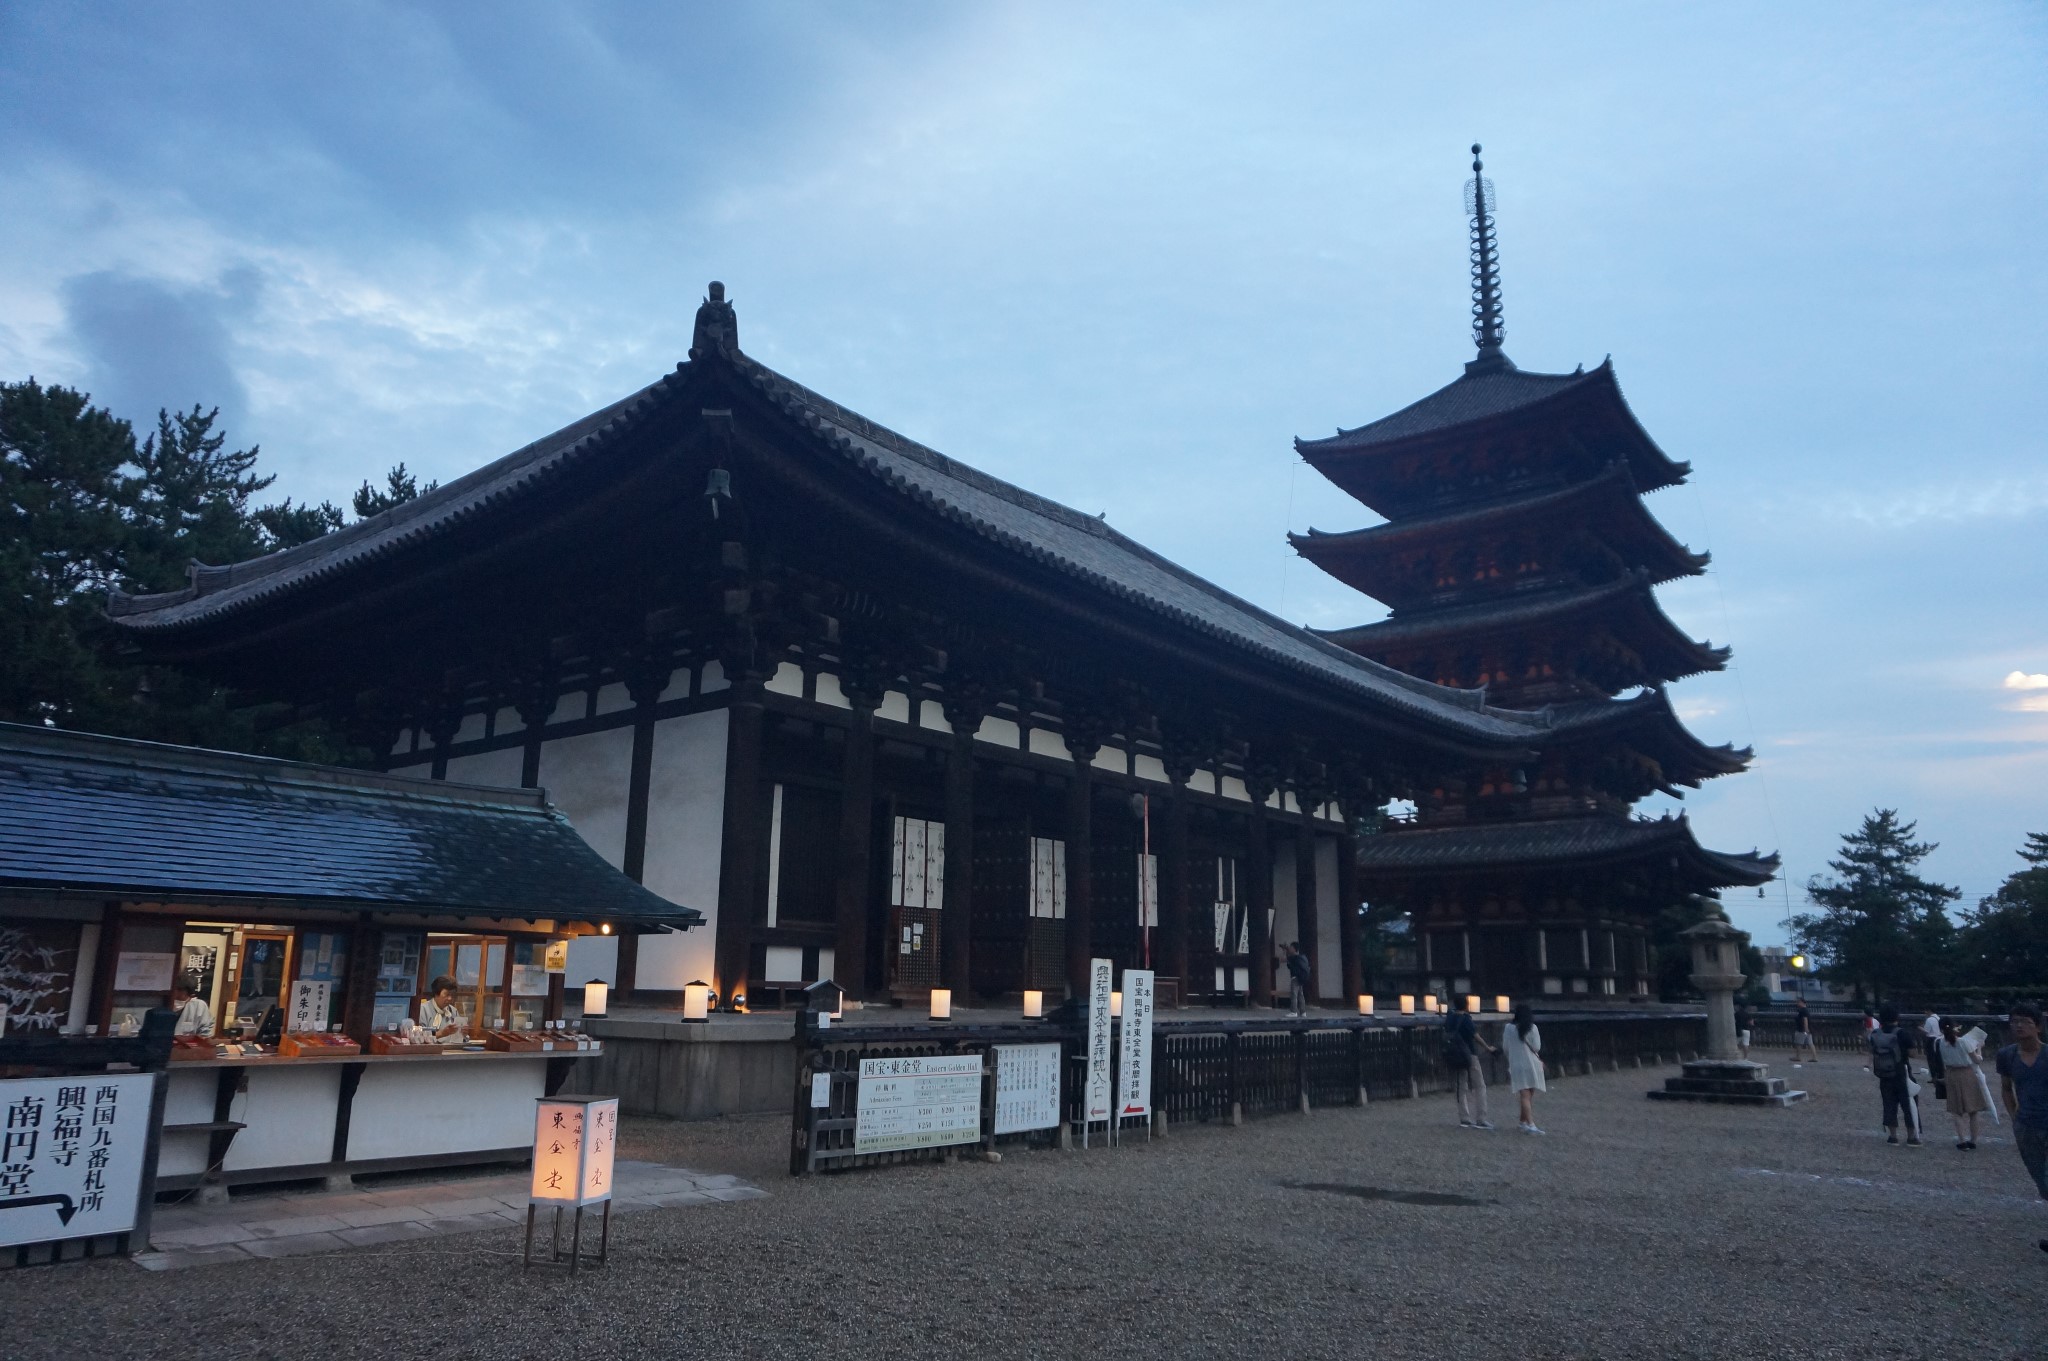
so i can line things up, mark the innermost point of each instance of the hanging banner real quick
(1134, 1057)
(71, 1152)
(1097, 1103)
(1027, 1087)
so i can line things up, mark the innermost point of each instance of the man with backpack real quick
(1890, 1045)
(1297, 979)
(1462, 1045)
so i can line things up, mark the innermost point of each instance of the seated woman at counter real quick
(194, 1016)
(438, 1014)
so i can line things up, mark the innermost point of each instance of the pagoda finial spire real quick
(1486, 322)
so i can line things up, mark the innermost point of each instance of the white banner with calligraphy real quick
(71, 1153)
(919, 1101)
(1097, 1096)
(1134, 1057)
(1027, 1087)
(310, 1001)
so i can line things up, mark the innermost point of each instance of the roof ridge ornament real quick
(1486, 317)
(718, 326)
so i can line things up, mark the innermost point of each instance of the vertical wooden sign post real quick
(1097, 1100)
(1134, 1055)
(574, 1138)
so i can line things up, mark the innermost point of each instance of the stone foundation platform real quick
(1729, 1082)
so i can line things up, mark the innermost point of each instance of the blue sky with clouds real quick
(1121, 254)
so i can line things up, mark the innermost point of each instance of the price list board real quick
(918, 1102)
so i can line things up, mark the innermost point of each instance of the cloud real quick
(151, 344)
(2032, 704)
(2021, 680)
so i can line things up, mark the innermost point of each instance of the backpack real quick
(1884, 1054)
(1457, 1053)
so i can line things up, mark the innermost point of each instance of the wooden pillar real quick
(1307, 917)
(1349, 947)
(1259, 855)
(743, 846)
(856, 833)
(442, 732)
(956, 936)
(645, 687)
(536, 707)
(1080, 862)
(1175, 876)
(359, 982)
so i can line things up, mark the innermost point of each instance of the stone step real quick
(1766, 1087)
(1730, 1099)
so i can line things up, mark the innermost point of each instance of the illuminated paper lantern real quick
(1500, 1004)
(942, 1004)
(595, 996)
(1034, 1005)
(1472, 1004)
(1407, 1004)
(1429, 1003)
(573, 1147)
(1116, 1004)
(696, 1001)
(1365, 1004)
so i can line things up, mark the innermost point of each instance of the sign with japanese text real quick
(308, 1010)
(1027, 1087)
(1096, 1092)
(71, 1153)
(144, 971)
(920, 1101)
(1134, 1056)
(574, 1143)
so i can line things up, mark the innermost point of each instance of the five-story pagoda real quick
(1518, 556)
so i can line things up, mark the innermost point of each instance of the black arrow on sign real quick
(66, 1207)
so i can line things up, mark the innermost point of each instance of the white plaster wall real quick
(685, 832)
(895, 706)
(932, 714)
(490, 767)
(1329, 930)
(470, 729)
(1002, 732)
(714, 678)
(1112, 758)
(787, 680)
(1045, 742)
(1148, 768)
(507, 722)
(829, 693)
(1204, 782)
(613, 698)
(1233, 788)
(587, 778)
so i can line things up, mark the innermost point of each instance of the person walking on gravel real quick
(1745, 1027)
(1964, 1096)
(1523, 1044)
(1462, 1044)
(2023, 1075)
(1887, 1046)
(1802, 1036)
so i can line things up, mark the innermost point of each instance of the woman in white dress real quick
(1524, 1045)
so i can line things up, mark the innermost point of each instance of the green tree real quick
(2004, 940)
(1881, 928)
(400, 486)
(65, 491)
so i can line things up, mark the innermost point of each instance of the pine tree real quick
(1881, 928)
(2005, 937)
(400, 486)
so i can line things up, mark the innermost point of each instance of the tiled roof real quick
(1650, 722)
(1577, 841)
(1472, 397)
(141, 820)
(1081, 546)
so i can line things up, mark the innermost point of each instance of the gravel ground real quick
(1635, 1229)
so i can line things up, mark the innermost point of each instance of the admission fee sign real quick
(1097, 1092)
(1134, 1058)
(1027, 1087)
(71, 1154)
(920, 1101)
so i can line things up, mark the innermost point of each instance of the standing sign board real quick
(310, 999)
(1134, 1058)
(1097, 1104)
(573, 1147)
(921, 1101)
(71, 1155)
(1027, 1087)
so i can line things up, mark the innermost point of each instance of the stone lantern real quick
(1723, 1076)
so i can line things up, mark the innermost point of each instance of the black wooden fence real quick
(1211, 1071)
(1843, 1032)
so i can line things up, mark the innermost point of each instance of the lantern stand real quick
(555, 1257)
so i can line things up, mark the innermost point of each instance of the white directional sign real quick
(918, 1102)
(1027, 1087)
(1134, 1058)
(71, 1153)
